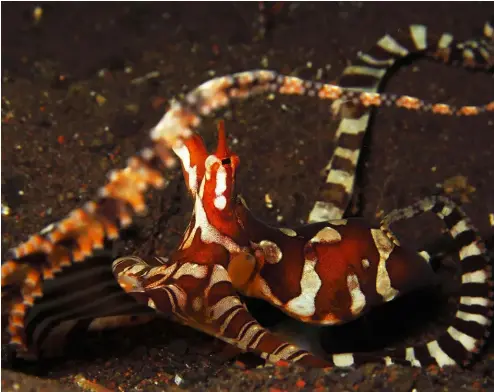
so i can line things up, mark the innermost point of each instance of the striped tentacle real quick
(470, 327)
(367, 74)
(74, 238)
(81, 298)
(203, 297)
(184, 117)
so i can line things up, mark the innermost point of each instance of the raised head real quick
(211, 181)
(196, 162)
(218, 184)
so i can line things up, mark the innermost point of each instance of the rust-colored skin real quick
(335, 261)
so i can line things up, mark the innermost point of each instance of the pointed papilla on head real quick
(222, 150)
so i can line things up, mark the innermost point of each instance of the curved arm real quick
(202, 296)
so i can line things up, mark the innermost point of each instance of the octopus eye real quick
(226, 161)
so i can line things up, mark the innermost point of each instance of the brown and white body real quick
(326, 273)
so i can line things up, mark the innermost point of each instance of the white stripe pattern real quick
(439, 355)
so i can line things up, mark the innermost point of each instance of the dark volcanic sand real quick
(59, 139)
